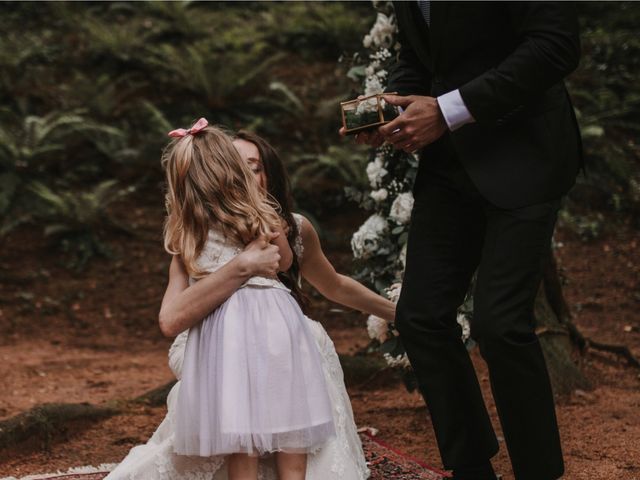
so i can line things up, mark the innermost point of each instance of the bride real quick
(183, 306)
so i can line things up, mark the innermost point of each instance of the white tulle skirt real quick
(341, 457)
(252, 380)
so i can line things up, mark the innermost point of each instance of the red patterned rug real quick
(385, 463)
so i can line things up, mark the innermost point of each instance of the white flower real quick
(381, 55)
(395, 186)
(398, 361)
(393, 292)
(366, 240)
(377, 328)
(466, 326)
(372, 67)
(369, 105)
(401, 208)
(375, 171)
(379, 195)
(382, 32)
(372, 86)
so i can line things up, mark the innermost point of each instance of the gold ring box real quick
(367, 112)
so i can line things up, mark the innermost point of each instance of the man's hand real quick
(260, 258)
(366, 137)
(420, 124)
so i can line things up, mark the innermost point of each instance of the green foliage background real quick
(89, 90)
(606, 94)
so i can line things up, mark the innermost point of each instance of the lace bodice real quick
(298, 248)
(218, 250)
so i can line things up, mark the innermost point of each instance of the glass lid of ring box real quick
(367, 112)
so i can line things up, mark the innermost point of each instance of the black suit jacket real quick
(508, 59)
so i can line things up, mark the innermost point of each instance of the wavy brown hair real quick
(279, 189)
(210, 186)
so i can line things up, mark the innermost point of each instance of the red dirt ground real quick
(93, 337)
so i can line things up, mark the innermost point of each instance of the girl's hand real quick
(286, 255)
(260, 258)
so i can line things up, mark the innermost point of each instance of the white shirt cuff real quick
(454, 110)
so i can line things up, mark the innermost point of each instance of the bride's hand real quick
(260, 258)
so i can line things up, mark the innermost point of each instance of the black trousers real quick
(453, 231)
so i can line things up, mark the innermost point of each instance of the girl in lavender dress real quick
(252, 381)
(184, 305)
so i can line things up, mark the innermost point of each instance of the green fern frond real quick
(288, 94)
(58, 203)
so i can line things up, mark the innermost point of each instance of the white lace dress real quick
(341, 457)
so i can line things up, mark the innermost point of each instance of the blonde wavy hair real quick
(210, 186)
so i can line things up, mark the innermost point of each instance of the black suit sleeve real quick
(548, 51)
(408, 76)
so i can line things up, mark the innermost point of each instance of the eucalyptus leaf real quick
(389, 345)
(393, 346)
(356, 73)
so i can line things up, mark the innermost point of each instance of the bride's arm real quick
(183, 306)
(319, 272)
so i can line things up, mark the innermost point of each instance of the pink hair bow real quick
(196, 127)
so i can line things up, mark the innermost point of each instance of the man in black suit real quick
(486, 108)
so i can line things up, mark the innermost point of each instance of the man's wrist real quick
(441, 117)
(453, 109)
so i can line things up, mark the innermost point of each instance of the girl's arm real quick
(183, 306)
(317, 270)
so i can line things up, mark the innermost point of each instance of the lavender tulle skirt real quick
(252, 380)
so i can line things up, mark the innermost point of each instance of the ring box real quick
(367, 112)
